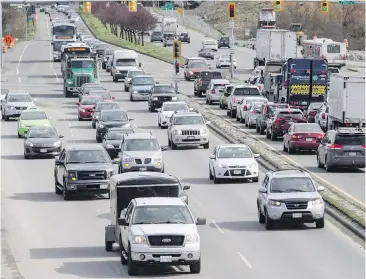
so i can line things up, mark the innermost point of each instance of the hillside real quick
(343, 22)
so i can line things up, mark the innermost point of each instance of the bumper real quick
(164, 122)
(120, 75)
(158, 104)
(214, 97)
(85, 115)
(190, 140)
(134, 168)
(88, 186)
(347, 161)
(305, 145)
(202, 89)
(239, 173)
(192, 76)
(279, 132)
(226, 64)
(42, 151)
(309, 215)
(12, 112)
(140, 96)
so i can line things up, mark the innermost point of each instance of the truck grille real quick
(138, 161)
(92, 175)
(165, 99)
(296, 205)
(163, 240)
(81, 79)
(20, 108)
(190, 133)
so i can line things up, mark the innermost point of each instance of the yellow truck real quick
(297, 27)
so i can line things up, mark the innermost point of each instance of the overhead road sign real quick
(347, 2)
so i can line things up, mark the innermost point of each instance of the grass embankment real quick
(103, 34)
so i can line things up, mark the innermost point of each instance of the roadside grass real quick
(103, 34)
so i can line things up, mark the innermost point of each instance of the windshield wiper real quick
(294, 190)
(170, 222)
(143, 223)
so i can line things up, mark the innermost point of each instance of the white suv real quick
(159, 231)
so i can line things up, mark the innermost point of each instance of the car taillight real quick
(200, 81)
(253, 112)
(336, 146)
(245, 107)
(295, 137)
(320, 136)
(312, 113)
(213, 91)
(364, 146)
(323, 115)
(278, 121)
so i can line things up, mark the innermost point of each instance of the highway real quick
(350, 181)
(52, 238)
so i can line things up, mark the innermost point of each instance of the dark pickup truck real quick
(203, 79)
(81, 169)
(161, 93)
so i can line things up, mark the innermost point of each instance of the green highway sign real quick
(347, 2)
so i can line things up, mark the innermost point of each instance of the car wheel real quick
(320, 223)
(80, 119)
(19, 136)
(320, 165)
(26, 156)
(65, 192)
(57, 190)
(237, 117)
(291, 150)
(159, 124)
(174, 146)
(220, 106)
(126, 89)
(132, 268)
(257, 128)
(269, 222)
(232, 113)
(261, 130)
(284, 147)
(206, 145)
(196, 267)
(108, 244)
(93, 126)
(210, 173)
(328, 168)
(206, 101)
(261, 217)
(215, 179)
(228, 112)
(273, 136)
(122, 251)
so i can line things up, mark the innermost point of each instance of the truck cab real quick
(123, 61)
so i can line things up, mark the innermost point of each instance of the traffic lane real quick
(351, 181)
(231, 211)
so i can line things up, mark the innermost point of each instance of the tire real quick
(290, 149)
(132, 268)
(232, 113)
(6, 118)
(261, 131)
(320, 165)
(26, 156)
(115, 79)
(169, 142)
(206, 101)
(228, 112)
(238, 118)
(80, 119)
(284, 148)
(196, 267)
(206, 145)
(174, 146)
(220, 106)
(159, 124)
(19, 136)
(99, 140)
(104, 66)
(268, 136)
(269, 222)
(261, 217)
(320, 223)
(122, 249)
(273, 136)
(255, 179)
(210, 173)
(93, 126)
(327, 167)
(57, 190)
(257, 128)
(108, 244)
(126, 89)
(65, 193)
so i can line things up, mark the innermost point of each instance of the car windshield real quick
(33, 115)
(162, 215)
(188, 120)
(163, 89)
(90, 88)
(291, 184)
(141, 145)
(175, 107)
(315, 106)
(307, 128)
(246, 91)
(198, 65)
(235, 152)
(82, 64)
(90, 101)
(273, 108)
(19, 98)
(289, 115)
(101, 107)
(42, 133)
(143, 81)
(103, 95)
(87, 156)
(349, 139)
(117, 135)
(135, 73)
(156, 34)
(4, 91)
(126, 62)
(114, 116)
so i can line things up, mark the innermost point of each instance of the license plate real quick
(43, 150)
(309, 139)
(142, 169)
(237, 171)
(165, 259)
(352, 154)
(296, 215)
(191, 137)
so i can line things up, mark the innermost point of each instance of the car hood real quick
(167, 113)
(142, 154)
(115, 143)
(35, 122)
(294, 196)
(90, 167)
(235, 161)
(43, 140)
(164, 229)
(20, 104)
(142, 87)
(87, 106)
(110, 124)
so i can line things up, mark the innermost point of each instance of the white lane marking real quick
(51, 52)
(166, 163)
(20, 58)
(69, 123)
(241, 256)
(217, 226)
(19, 80)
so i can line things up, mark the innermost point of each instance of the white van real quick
(122, 62)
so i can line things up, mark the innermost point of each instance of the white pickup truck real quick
(159, 231)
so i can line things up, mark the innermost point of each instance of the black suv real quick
(224, 42)
(84, 168)
(109, 119)
(184, 38)
(161, 93)
(203, 79)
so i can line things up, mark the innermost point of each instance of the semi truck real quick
(169, 26)
(346, 101)
(267, 19)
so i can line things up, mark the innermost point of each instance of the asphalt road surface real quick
(52, 238)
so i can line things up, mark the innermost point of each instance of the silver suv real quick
(290, 196)
(14, 103)
(188, 129)
(159, 231)
(141, 152)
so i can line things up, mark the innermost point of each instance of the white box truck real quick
(346, 101)
(274, 45)
(169, 26)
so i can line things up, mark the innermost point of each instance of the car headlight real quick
(317, 201)
(274, 203)
(155, 98)
(28, 143)
(10, 107)
(174, 98)
(177, 132)
(110, 146)
(222, 165)
(72, 175)
(191, 73)
(203, 131)
(57, 143)
(82, 110)
(101, 126)
(135, 92)
(253, 165)
(117, 71)
(139, 239)
(192, 238)
(184, 198)
(127, 159)
(96, 116)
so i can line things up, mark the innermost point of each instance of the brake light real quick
(364, 146)
(213, 91)
(200, 81)
(253, 112)
(323, 115)
(312, 113)
(295, 137)
(320, 136)
(245, 107)
(336, 146)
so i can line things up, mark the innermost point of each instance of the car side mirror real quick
(130, 118)
(262, 190)
(77, 103)
(61, 136)
(113, 98)
(123, 212)
(164, 148)
(321, 188)
(115, 161)
(208, 122)
(140, 64)
(58, 162)
(256, 155)
(122, 222)
(201, 221)
(186, 187)
(213, 157)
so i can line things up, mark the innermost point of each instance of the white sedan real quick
(224, 61)
(233, 161)
(167, 110)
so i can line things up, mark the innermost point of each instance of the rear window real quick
(334, 48)
(307, 128)
(211, 75)
(246, 92)
(289, 115)
(315, 106)
(350, 139)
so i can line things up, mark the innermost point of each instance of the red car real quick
(312, 111)
(282, 120)
(193, 69)
(302, 136)
(101, 93)
(86, 106)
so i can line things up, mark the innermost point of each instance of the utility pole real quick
(26, 22)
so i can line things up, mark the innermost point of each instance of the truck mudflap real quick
(110, 233)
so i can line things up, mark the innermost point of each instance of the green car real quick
(30, 118)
